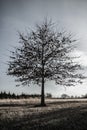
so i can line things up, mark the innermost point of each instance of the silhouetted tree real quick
(48, 95)
(4, 94)
(9, 95)
(84, 96)
(64, 96)
(13, 96)
(1, 95)
(72, 97)
(44, 55)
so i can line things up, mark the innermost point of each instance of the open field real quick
(59, 114)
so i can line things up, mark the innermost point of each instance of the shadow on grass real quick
(64, 119)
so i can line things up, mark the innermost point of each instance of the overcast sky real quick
(22, 15)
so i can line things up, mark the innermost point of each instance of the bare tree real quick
(44, 55)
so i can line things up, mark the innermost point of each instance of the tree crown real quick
(46, 53)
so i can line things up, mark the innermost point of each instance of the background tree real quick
(64, 96)
(44, 55)
(48, 95)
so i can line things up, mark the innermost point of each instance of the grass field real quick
(59, 114)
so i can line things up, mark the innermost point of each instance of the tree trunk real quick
(42, 93)
(42, 88)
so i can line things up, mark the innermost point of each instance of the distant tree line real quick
(5, 95)
(65, 96)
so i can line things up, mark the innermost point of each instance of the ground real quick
(58, 114)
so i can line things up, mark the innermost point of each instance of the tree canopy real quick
(44, 54)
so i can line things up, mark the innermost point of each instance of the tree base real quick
(40, 105)
(43, 105)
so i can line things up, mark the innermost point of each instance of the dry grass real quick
(58, 114)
